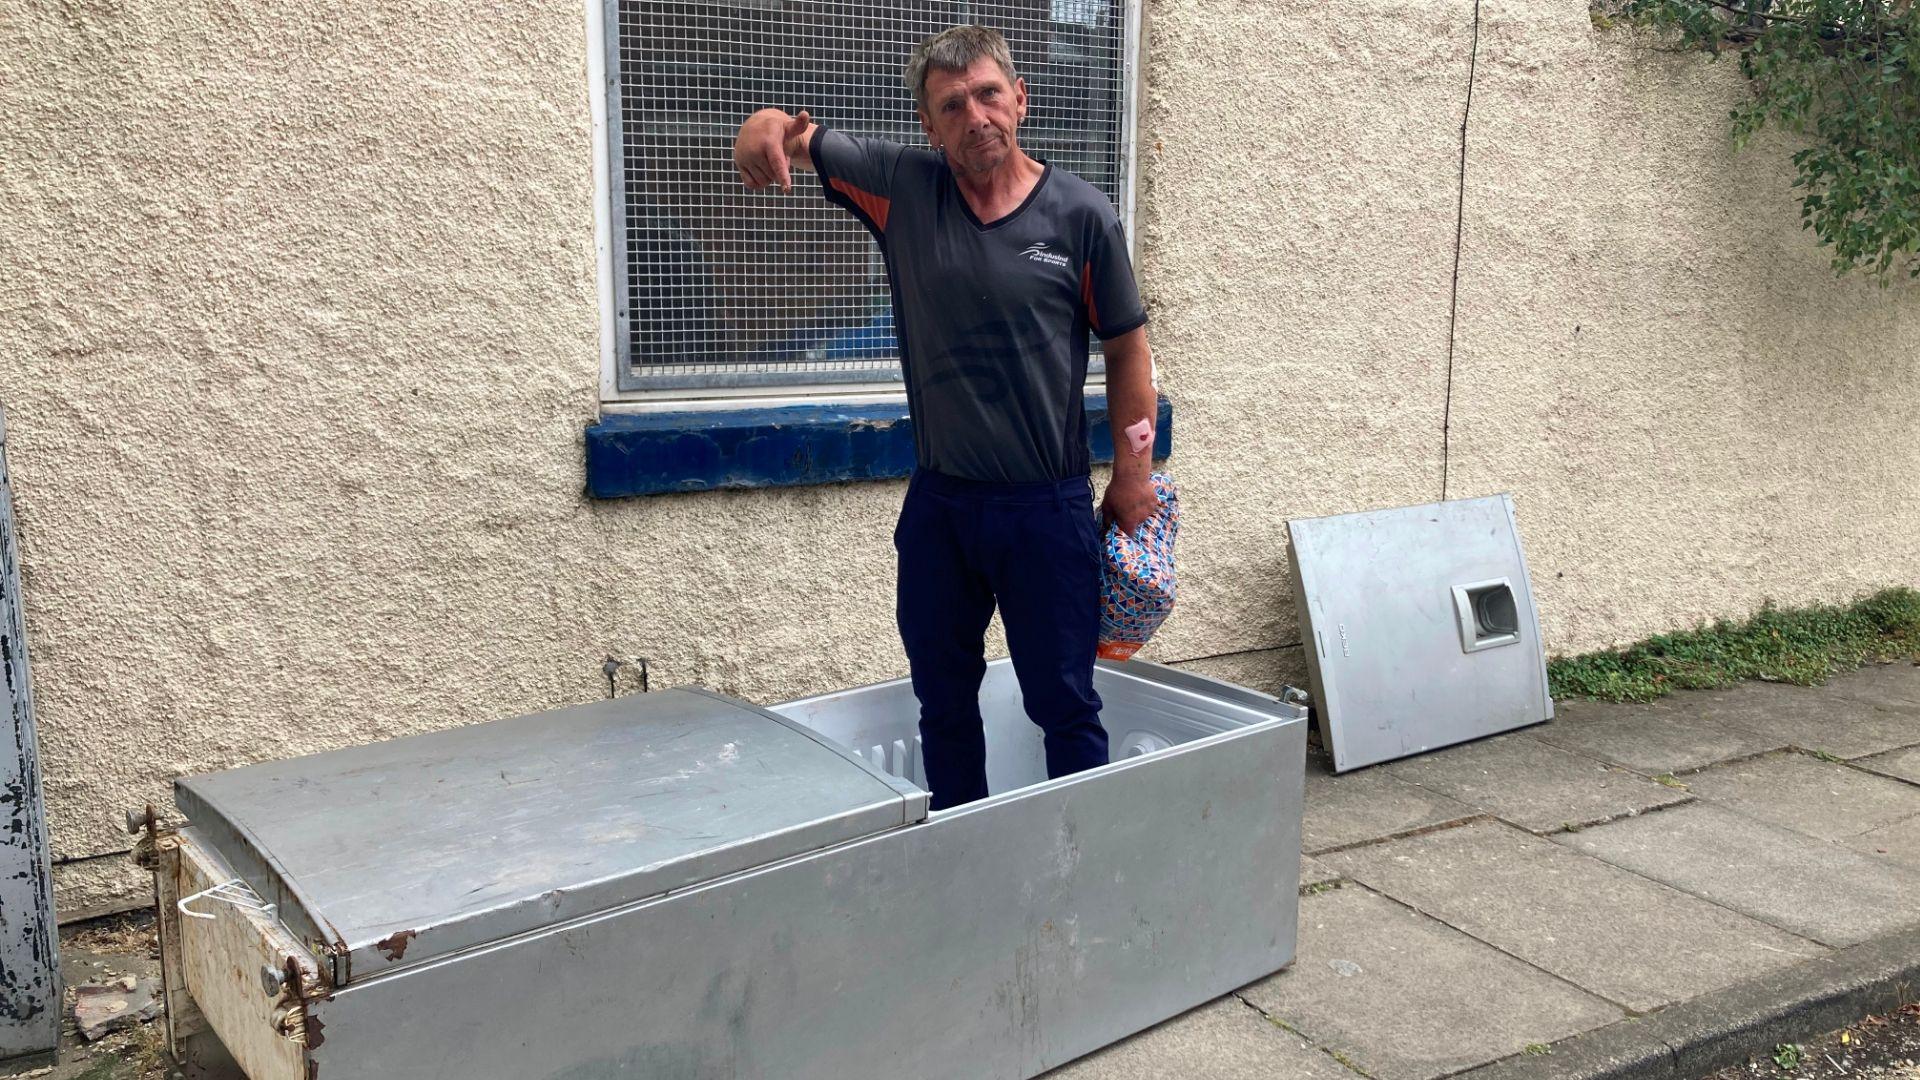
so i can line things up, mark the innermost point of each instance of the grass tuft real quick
(1804, 646)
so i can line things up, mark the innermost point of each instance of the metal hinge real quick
(291, 993)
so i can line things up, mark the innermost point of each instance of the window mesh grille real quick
(722, 286)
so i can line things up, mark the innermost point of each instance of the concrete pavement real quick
(1628, 890)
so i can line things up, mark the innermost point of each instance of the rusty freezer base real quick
(1000, 939)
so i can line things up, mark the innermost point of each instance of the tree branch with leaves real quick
(1840, 73)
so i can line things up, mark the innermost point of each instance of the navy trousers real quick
(1033, 549)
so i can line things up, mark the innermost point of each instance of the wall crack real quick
(1459, 230)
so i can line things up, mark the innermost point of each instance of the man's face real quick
(973, 114)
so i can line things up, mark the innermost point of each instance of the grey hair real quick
(955, 49)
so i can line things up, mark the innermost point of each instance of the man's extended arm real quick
(768, 143)
(1131, 401)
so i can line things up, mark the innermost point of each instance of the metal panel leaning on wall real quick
(29, 971)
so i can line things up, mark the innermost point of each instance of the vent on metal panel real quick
(1487, 615)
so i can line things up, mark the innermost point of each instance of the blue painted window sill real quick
(655, 453)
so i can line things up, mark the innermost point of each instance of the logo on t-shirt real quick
(1038, 253)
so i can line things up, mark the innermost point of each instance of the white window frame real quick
(600, 81)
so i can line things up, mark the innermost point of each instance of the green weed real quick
(1804, 646)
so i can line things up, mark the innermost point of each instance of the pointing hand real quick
(760, 150)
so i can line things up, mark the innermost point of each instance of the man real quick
(1000, 264)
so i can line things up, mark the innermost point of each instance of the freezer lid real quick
(387, 855)
(1420, 628)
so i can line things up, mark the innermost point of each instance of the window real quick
(718, 291)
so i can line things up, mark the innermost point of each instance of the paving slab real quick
(1654, 739)
(1538, 787)
(1614, 933)
(1752, 1019)
(1898, 842)
(1895, 685)
(1366, 805)
(1900, 764)
(1812, 718)
(1831, 894)
(1314, 873)
(1825, 799)
(1627, 1050)
(1227, 1040)
(1405, 997)
(1744, 1021)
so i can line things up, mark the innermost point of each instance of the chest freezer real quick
(683, 885)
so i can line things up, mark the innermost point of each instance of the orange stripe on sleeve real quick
(870, 204)
(1086, 296)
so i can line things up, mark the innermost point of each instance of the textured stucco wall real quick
(1693, 415)
(1692, 411)
(298, 335)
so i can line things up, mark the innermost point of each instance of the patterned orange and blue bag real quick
(1136, 576)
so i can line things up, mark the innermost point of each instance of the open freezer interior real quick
(1144, 713)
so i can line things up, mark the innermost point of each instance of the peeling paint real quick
(29, 967)
(394, 946)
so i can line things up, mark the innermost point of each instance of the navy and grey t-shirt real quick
(992, 318)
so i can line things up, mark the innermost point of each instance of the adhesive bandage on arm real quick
(1139, 436)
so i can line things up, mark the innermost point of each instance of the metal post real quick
(29, 964)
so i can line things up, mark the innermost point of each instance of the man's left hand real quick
(1129, 502)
